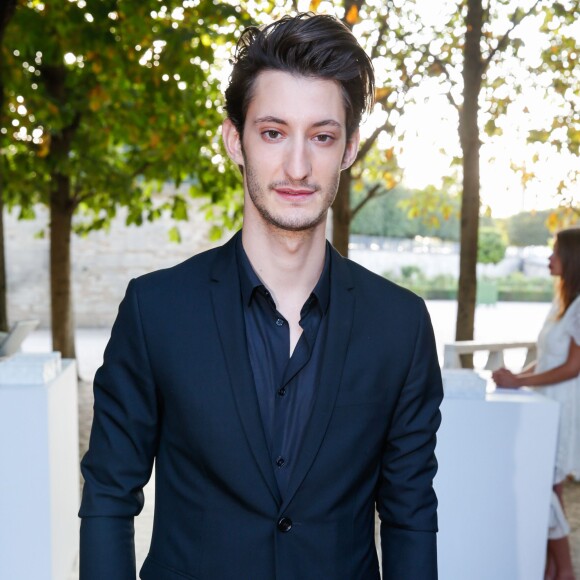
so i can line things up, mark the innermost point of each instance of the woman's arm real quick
(568, 370)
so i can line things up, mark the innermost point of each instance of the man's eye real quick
(324, 138)
(271, 134)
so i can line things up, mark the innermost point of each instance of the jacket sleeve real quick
(406, 501)
(121, 450)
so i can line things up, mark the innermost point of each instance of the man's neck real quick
(288, 263)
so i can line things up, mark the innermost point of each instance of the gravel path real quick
(572, 503)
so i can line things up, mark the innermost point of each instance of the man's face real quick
(293, 149)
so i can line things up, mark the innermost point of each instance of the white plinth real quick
(496, 464)
(39, 481)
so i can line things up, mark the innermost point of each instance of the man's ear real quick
(350, 150)
(232, 142)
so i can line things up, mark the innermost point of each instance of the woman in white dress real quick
(556, 375)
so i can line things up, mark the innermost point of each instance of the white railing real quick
(453, 350)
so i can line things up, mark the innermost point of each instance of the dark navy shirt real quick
(285, 385)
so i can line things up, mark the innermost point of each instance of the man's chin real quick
(296, 225)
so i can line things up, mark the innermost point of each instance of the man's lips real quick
(294, 192)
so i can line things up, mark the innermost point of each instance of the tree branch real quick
(448, 94)
(366, 146)
(515, 20)
(348, 5)
(373, 193)
(6, 13)
(78, 199)
(382, 29)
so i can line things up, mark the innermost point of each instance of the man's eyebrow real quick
(278, 121)
(270, 119)
(326, 122)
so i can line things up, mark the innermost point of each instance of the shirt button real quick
(279, 322)
(282, 392)
(280, 462)
(284, 524)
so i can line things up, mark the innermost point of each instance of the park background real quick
(112, 109)
(111, 163)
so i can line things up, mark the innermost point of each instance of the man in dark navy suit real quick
(284, 392)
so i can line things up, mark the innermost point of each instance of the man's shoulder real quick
(196, 263)
(194, 272)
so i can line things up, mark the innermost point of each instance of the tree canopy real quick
(126, 90)
(105, 102)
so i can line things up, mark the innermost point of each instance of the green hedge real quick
(525, 296)
(513, 288)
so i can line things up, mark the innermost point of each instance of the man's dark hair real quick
(309, 45)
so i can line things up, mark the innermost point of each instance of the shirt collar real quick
(249, 280)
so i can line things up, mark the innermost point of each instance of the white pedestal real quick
(39, 481)
(496, 464)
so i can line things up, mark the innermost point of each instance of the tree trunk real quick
(62, 207)
(470, 144)
(61, 212)
(341, 214)
(3, 285)
(7, 10)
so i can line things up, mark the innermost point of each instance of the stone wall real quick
(103, 264)
(386, 256)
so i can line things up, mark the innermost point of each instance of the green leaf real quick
(538, 136)
(174, 235)
(179, 210)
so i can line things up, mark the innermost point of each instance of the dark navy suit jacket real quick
(176, 388)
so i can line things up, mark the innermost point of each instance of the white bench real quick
(10, 341)
(453, 350)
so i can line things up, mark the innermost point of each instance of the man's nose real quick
(298, 164)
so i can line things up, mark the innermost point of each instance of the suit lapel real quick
(340, 315)
(227, 306)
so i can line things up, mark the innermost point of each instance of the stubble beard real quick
(289, 223)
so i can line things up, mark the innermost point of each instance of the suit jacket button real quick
(284, 524)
